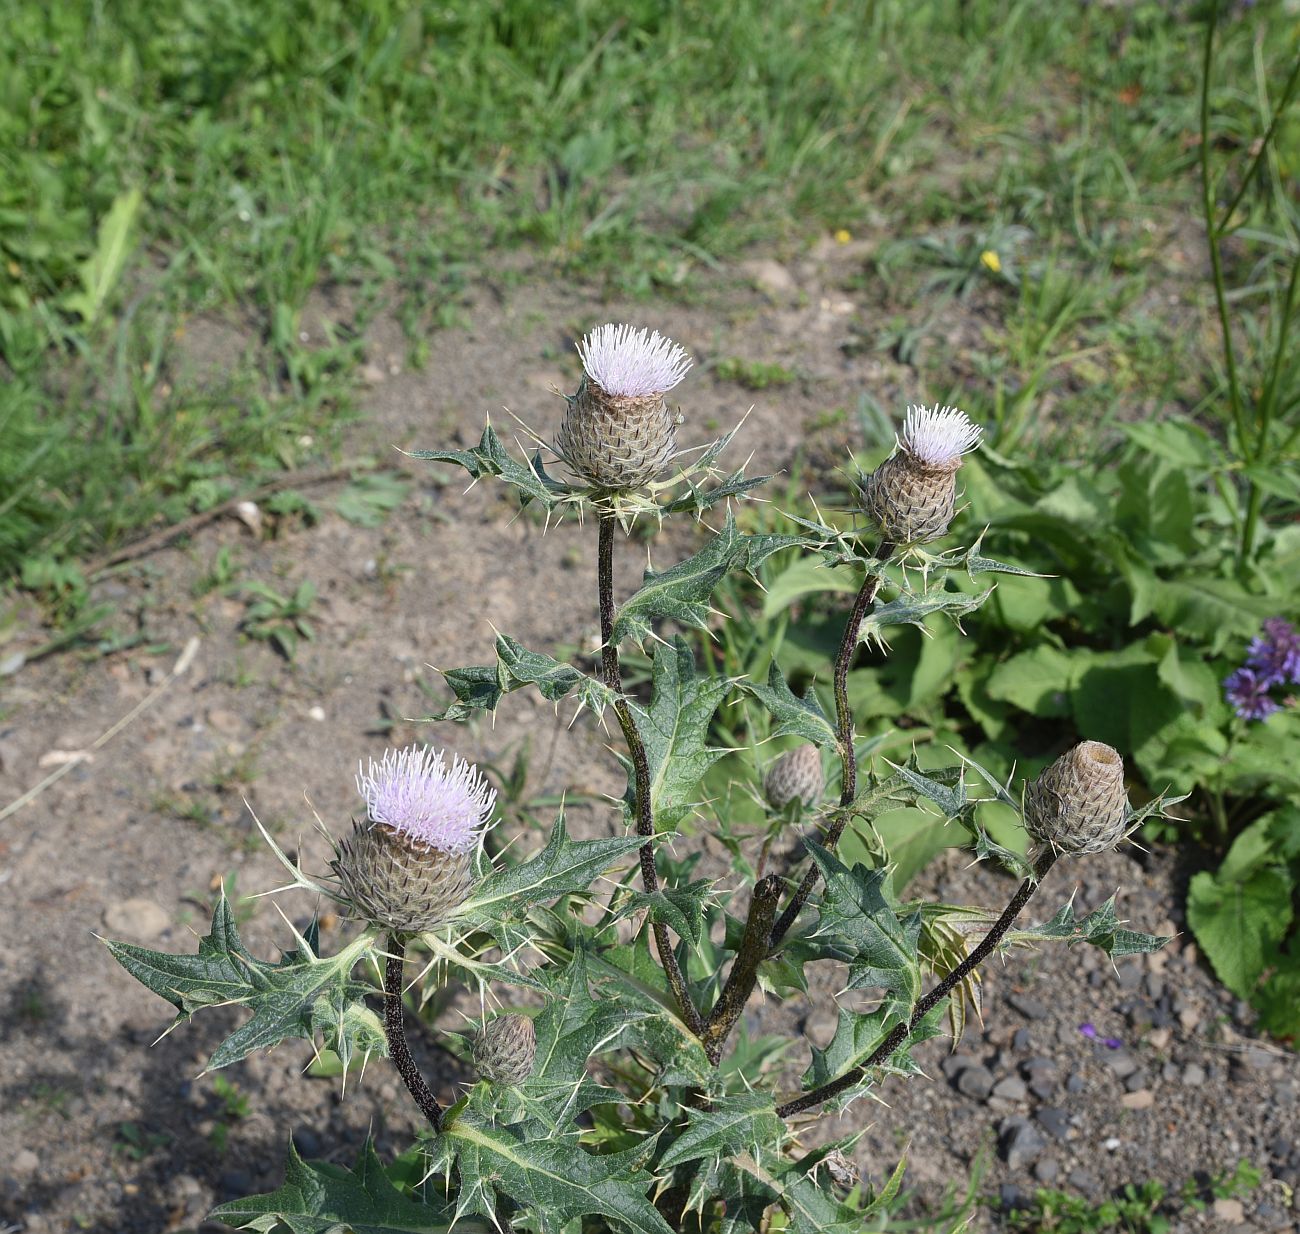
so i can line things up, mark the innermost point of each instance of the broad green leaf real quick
(681, 593)
(489, 458)
(553, 1178)
(856, 918)
(1038, 681)
(304, 995)
(481, 687)
(101, 271)
(795, 717)
(563, 867)
(1239, 919)
(320, 1198)
(1101, 928)
(673, 730)
(806, 576)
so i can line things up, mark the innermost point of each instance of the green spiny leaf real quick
(795, 717)
(563, 867)
(304, 994)
(673, 730)
(320, 1198)
(1101, 928)
(681, 909)
(481, 687)
(742, 1122)
(855, 916)
(489, 458)
(913, 610)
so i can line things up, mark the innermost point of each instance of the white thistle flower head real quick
(938, 436)
(413, 792)
(630, 363)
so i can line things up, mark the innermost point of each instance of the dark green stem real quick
(645, 826)
(925, 1005)
(744, 969)
(844, 735)
(395, 1031)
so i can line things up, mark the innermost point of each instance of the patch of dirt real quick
(107, 1133)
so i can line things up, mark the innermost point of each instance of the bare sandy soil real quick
(103, 1132)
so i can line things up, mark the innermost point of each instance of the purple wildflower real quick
(1088, 1030)
(630, 363)
(413, 792)
(1275, 657)
(1247, 691)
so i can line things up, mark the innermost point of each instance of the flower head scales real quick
(413, 792)
(939, 436)
(631, 363)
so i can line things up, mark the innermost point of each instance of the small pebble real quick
(976, 1082)
(1139, 1079)
(1055, 1122)
(1122, 1063)
(1028, 1007)
(1010, 1089)
(1076, 1083)
(1022, 1040)
(1020, 1144)
(138, 918)
(1143, 1099)
(1046, 1170)
(1229, 1211)
(316, 713)
(1193, 1075)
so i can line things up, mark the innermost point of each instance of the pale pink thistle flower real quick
(618, 433)
(631, 363)
(417, 795)
(938, 436)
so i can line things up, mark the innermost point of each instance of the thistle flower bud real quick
(796, 774)
(618, 433)
(410, 863)
(912, 495)
(504, 1049)
(1079, 805)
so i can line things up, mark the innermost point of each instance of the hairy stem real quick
(744, 969)
(395, 1031)
(844, 735)
(645, 825)
(885, 1050)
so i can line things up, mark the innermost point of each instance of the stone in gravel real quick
(138, 918)
(1280, 1147)
(1193, 1075)
(1284, 1093)
(1229, 1211)
(1020, 1143)
(1055, 1122)
(1010, 1196)
(955, 1064)
(1010, 1089)
(1046, 1170)
(1122, 1063)
(1084, 1182)
(1139, 1079)
(1028, 1007)
(1076, 1083)
(1189, 1018)
(1155, 985)
(1022, 1040)
(1143, 1099)
(1041, 1074)
(1253, 1058)
(23, 1163)
(976, 1082)
(1129, 976)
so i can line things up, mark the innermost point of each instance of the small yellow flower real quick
(842, 236)
(991, 261)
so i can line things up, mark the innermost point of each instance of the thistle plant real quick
(599, 1098)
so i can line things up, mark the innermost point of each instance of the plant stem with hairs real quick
(744, 969)
(395, 1031)
(645, 826)
(901, 1032)
(844, 734)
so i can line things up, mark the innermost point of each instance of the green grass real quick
(225, 158)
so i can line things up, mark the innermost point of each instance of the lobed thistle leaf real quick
(795, 717)
(305, 995)
(731, 1124)
(318, 1196)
